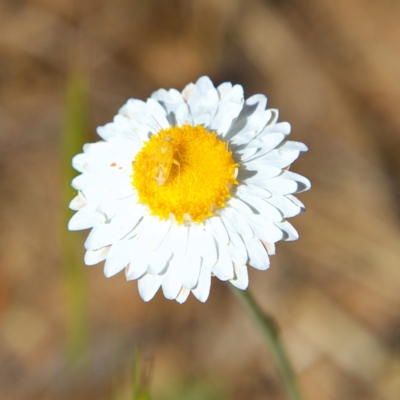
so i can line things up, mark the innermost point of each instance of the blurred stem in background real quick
(138, 390)
(141, 376)
(75, 286)
(270, 332)
(74, 135)
(136, 374)
(138, 387)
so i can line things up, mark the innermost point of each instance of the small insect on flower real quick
(163, 160)
(164, 156)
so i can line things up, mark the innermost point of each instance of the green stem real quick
(271, 334)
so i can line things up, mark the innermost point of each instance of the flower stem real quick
(271, 334)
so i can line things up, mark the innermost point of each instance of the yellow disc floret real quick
(184, 171)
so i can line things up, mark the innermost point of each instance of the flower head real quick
(187, 186)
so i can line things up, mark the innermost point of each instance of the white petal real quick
(170, 100)
(160, 257)
(278, 186)
(241, 280)
(203, 101)
(296, 201)
(280, 127)
(241, 207)
(183, 295)
(157, 112)
(286, 205)
(148, 286)
(109, 165)
(223, 269)
(120, 190)
(124, 148)
(104, 234)
(111, 129)
(183, 115)
(275, 158)
(142, 251)
(118, 258)
(294, 146)
(266, 172)
(153, 232)
(96, 150)
(244, 131)
(245, 153)
(85, 180)
(235, 219)
(156, 265)
(207, 247)
(95, 195)
(254, 190)
(105, 183)
(136, 269)
(172, 282)
(167, 98)
(268, 211)
(106, 211)
(270, 247)
(263, 229)
(192, 262)
(303, 183)
(79, 161)
(228, 110)
(265, 143)
(289, 232)
(179, 245)
(191, 271)
(94, 257)
(202, 290)
(253, 105)
(83, 219)
(236, 249)
(188, 90)
(258, 257)
(274, 115)
(141, 116)
(120, 127)
(178, 112)
(223, 89)
(159, 246)
(134, 109)
(251, 120)
(135, 128)
(219, 229)
(78, 202)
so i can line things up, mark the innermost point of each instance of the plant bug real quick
(163, 159)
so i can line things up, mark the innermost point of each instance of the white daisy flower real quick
(187, 186)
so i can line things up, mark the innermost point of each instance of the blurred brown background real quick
(333, 70)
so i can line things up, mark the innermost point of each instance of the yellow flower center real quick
(184, 171)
